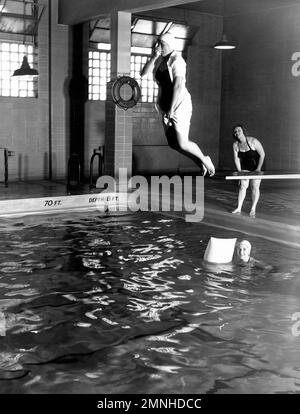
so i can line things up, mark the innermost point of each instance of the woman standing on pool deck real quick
(174, 100)
(249, 155)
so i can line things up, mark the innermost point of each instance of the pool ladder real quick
(6, 153)
(98, 152)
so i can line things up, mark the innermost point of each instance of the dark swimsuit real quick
(249, 159)
(162, 77)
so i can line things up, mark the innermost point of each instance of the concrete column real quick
(118, 130)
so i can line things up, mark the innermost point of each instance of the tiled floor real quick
(279, 199)
(31, 189)
(43, 188)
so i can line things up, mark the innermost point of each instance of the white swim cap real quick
(169, 39)
(245, 243)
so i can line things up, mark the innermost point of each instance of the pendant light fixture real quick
(25, 69)
(224, 44)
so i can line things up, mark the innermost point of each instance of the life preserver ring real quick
(135, 92)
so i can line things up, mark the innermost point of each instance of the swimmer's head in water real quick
(243, 250)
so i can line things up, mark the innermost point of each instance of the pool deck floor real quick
(277, 216)
(277, 212)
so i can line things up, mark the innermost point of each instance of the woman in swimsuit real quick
(174, 100)
(248, 156)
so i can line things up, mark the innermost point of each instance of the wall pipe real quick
(50, 87)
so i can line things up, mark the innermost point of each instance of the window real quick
(99, 74)
(149, 88)
(11, 57)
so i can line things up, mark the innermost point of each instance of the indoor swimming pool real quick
(125, 304)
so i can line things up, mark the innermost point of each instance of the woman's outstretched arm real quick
(149, 66)
(259, 148)
(236, 158)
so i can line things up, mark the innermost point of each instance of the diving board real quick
(263, 175)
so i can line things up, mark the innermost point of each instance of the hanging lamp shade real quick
(224, 44)
(25, 69)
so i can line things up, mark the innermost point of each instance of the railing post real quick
(97, 152)
(6, 167)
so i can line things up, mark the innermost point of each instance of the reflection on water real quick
(125, 305)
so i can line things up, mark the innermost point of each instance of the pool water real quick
(125, 304)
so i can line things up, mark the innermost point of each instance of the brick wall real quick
(150, 150)
(24, 122)
(118, 143)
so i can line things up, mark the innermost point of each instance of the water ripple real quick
(91, 304)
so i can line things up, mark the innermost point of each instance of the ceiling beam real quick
(78, 11)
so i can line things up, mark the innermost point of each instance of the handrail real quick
(99, 152)
(6, 167)
(6, 154)
(73, 158)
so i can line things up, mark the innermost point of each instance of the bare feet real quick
(209, 166)
(204, 170)
(252, 213)
(236, 211)
(167, 121)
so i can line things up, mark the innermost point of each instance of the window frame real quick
(17, 87)
(146, 97)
